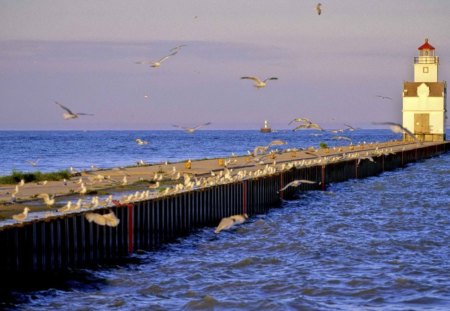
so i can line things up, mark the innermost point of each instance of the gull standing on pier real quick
(228, 222)
(47, 200)
(259, 83)
(22, 216)
(71, 115)
(191, 130)
(297, 183)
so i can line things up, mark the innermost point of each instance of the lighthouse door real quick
(421, 123)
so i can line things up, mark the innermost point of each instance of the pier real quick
(68, 241)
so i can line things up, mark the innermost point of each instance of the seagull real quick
(398, 128)
(140, 141)
(33, 162)
(71, 115)
(66, 207)
(350, 128)
(308, 126)
(297, 183)
(277, 142)
(192, 129)
(258, 83)
(177, 48)
(109, 219)
(228, 222)
(157, 64)
(319, 8)
(22, 216)
(341, 138)
(47, 200)
(305, 120)
(384, 97)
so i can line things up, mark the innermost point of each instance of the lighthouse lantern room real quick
(424, 100)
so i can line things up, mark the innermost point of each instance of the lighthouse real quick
(424, 99)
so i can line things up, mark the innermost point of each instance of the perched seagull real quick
(228, 222)
(66, 207)
(21, 183)
(47, 200)
(71, 115)
(384, 97)
(140, 141)
(297, 183)
(319, 8)
(157, 64)
(398, 128)
(258, 83)
(33, 163)
(192, 129)
(22, 216)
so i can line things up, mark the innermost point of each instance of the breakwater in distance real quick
(68, 241)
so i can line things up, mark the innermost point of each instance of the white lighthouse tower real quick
(424, 100)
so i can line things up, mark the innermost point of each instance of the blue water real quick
(379, 243)
(59, 150)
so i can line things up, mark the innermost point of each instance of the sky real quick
(330, 67)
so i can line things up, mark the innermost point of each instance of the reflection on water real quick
(377, 243)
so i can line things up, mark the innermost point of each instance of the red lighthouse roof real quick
(426, 46)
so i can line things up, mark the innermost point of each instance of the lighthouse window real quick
(425, 69)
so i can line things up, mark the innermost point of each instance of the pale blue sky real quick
(330, 67)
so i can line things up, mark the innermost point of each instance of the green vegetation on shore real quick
(17, 176)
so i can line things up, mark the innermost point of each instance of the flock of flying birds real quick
(225, 176)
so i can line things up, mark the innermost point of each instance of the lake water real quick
(379, 243)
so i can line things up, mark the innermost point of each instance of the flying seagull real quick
(157, 64)
(177, 48)
(297, 183)
(228, 222)
(192, 129)
(71, 115)
(398, 128)
(319, 8)
(259, 83)
(305, 120)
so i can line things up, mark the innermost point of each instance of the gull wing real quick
(167, 56)
(180, 127)
(64, 107)
(84, 114)
(301, 120)
(177, 48)
(253, 78)
(271, 78)
(200, 125)
(396, 126)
